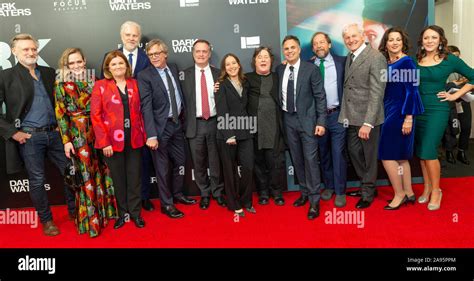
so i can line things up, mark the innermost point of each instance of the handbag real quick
(72, 175)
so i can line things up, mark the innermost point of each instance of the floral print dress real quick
(95, 201)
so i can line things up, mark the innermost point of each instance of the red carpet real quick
(278, 227)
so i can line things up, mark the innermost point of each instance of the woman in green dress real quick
(95, 200)
(435, 64)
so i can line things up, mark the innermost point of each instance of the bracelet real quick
(408, 121)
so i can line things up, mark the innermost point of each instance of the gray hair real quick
(131, 24)
(157, 42)
(23, 36)
(358, 25)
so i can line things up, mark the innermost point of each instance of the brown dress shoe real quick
(50, 229)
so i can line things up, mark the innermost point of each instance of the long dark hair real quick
(224, 74)
(405, 40)
(443, 53)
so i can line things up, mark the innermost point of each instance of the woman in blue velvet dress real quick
(402, 101)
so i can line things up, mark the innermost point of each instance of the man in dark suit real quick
(201, 124)
(162, 104)
(362, 108)
(29, 126)
(332, 145)
(130, 34)
(303, 101)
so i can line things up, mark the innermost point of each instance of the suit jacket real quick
(340, 63)
(310, 96)
(188, 85)
(17, 92)
(107, 115)
(155, 100)
(230, 105)
(142, 62)
(364, 89)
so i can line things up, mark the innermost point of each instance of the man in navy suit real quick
(303, 102)
(333, 144)
(130, 33)
(162, 103)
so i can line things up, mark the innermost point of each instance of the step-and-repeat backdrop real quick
(236, 26)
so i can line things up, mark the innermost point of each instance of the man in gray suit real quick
(362, 108)
(303, 102)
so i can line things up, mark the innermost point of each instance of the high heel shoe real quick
(404, 201)
(434, 207)
(423, 199)
(411, 199)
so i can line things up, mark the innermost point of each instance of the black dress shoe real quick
(251, 210)
(313, 212)
(172, 212)
(450, 157)
(263, 200)
(147, 205)
(279, 201)
(362, 204)
(355, 193)
(221, 201)
(300, 201)
(185, 200)
(204, 204)
(404, 201)
(119, 223)
(462, 157)
(139, 222)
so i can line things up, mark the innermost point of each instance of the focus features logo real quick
(188, 3)
(182, 45)
(129, 5)
(250, 42)
(10, 10)
(69, 5)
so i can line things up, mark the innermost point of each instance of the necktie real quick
(290, 91)
(352, 59)
(321, 68)
(174, 105)
(130, 60)
(206, 112)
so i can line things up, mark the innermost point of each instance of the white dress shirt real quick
(135, 57)
(284, 85)
(210, 90)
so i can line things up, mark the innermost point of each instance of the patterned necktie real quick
(352, 59)
(290, 91)
(130, 60)
(321, 68)
(206, 112)
(174, 105)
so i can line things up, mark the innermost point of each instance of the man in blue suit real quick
(303, 102)
(162, 103)
(333, 144)
(130, 33)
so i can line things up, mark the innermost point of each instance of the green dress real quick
(95, 201)
(430, 125)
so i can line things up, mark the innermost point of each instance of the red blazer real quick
(107, 115)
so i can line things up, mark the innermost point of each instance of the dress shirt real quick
(210, 90)
(284, 85)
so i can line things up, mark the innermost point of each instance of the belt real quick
(42, 129)
(210, 118)
(331, 110)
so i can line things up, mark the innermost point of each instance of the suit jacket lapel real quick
(358, 61)
(161, 83)
(301, 73)
(26, 85)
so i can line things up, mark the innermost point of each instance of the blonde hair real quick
(23, 36)
(63, 63)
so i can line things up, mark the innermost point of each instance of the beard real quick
(29, 61)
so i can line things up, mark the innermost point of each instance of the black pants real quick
(204, 154)
(269, 168)
(238, 189)
(125, 170)
(363, 154)
(464, 123)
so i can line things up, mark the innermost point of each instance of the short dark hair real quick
(291, 37)
(453, 49)
(320, 33)
(258, 51)
(202, 41)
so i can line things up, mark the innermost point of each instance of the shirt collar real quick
(126, 53)
(296, 65)
(198, 69)
(328, 58)
(360, 49)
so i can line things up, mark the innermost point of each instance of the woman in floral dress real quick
(95, 200)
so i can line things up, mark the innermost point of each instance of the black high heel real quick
(411, 199)
(404, 201)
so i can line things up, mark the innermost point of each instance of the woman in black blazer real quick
(234, 138)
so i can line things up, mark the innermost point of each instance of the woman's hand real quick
(68, 148)
(407, 126)
(108, 151)
(216, 87)
(231, 141)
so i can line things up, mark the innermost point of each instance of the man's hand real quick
(108, 151)
(364, 132)
(319, 131)
(21, 137)
(68, 148)
(231, 141)
(152, 144)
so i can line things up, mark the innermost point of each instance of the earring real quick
(440, 47)
(422, 48)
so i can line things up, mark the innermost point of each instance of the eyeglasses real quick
(151, 55)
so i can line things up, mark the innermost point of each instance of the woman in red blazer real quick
(119, 132)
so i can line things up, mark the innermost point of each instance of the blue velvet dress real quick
(401, 98)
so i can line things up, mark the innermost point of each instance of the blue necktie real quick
(290, 91)
(174, 104)
(130, 60)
